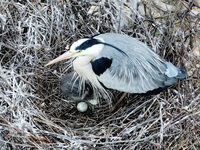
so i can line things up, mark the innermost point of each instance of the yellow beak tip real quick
(48, 64)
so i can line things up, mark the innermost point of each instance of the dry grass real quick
(33, 113)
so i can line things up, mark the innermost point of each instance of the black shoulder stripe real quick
(100, 65)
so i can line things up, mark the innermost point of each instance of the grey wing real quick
(126, 76)
(137, 69)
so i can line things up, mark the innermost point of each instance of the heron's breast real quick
(84, 68)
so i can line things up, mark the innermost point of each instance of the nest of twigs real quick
(35, 115)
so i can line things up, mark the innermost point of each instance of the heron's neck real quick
(81, 65)
(83, 60)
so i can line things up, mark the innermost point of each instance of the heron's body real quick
(122, 63)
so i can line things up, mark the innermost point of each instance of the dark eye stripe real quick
(91, 42)
(87, 44)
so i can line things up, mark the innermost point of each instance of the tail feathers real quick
(181, 73)
(173, 74)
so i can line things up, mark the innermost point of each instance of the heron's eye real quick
(79, 51)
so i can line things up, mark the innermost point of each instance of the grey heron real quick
(122, 63)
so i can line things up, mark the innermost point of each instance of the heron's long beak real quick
(66, 55)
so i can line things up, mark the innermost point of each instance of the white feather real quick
(171, 70)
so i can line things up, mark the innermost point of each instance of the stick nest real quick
(35, 115)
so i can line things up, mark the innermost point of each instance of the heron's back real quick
(135, 68)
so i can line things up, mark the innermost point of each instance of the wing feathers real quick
(139, 71)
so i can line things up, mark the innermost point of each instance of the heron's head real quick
(83, 47)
